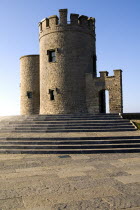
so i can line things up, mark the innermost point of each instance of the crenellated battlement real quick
(87, 23)
(104, 74)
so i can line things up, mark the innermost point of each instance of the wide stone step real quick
(75, 151)
(103, 120)
(81, 138)
(73, 119)
(70, 127)
(67, 122)
(67, 131)
(65, 127)
(72, 142)
(72, 138)
(84, 117)
(72, 115)
(64, 147)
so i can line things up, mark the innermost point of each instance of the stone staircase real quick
(67, 123)
(36, 125)
(74, 145)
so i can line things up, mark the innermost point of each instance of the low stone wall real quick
(131, 116)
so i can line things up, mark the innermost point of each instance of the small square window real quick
(29, 94)
(52, 56)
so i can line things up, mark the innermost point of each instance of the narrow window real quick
(40, 27)
(94, 66)
(51, 92)
(29, 94)
(52, 56)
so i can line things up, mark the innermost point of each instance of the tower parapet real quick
(54, 22)
(63, 16)
(83, 21)
(74, 18)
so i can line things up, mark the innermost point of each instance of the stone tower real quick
(29, 85)
(66, 55)
(64, 75)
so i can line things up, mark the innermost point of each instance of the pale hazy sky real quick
(118, 42)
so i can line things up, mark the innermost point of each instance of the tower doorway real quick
(104, 101)
(107, 101)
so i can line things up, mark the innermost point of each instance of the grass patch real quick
(137, 124)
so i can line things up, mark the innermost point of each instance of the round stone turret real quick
(29, 85)
(67, 53)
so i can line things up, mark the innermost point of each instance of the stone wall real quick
(131, 116)
(113, 84)
(29, 85)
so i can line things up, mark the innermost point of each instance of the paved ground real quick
(44, 182)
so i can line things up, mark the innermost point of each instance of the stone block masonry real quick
(113, 84)
(29, 85)
(62, 80)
